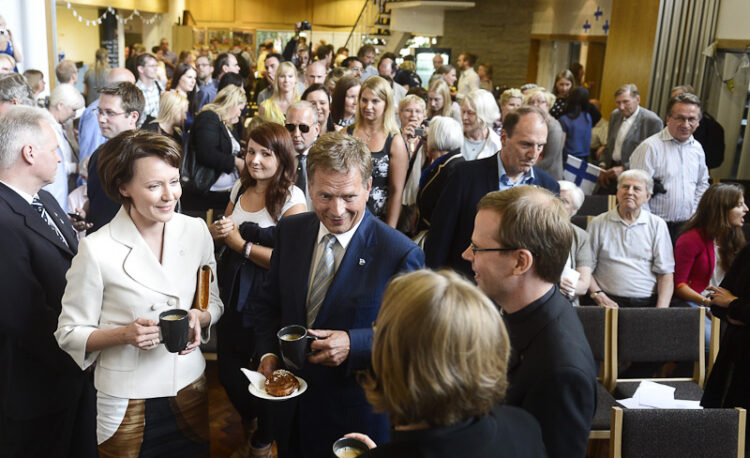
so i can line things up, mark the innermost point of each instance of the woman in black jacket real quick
(216, 150)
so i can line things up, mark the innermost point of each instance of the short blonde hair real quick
(228, 97)
(440, 351)
(171, 106)
(439, 86)
(511, 93)
(380, 87)
(549, 97)
(410, 99)
(340, 153)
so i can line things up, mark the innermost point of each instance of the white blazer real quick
(114, 279)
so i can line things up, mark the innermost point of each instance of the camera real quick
(305, 25)
(419, 132)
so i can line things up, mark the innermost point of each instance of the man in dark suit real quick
(329, 270)
(518, 250)
(524, 136)
(629, 125)
(47, 405)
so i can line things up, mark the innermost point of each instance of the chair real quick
(581, 221)
(655, 335)
(678, 433)
(597, 325)
(596, 204)
(713, 350)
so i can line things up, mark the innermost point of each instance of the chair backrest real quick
(594, 204)
(713, 350)
(667, 433)
(581, 221)
(661, 335)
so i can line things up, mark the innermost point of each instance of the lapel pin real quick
(361, 262)
(182, 252)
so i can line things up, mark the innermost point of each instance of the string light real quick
(112, 12)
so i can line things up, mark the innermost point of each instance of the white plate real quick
(260, 390)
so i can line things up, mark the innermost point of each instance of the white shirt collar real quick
(26, 196)
(635, 113)
(343, 238)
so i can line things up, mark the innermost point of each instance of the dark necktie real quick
(39, 207)
(301, 177)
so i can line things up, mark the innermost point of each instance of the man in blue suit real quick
(329, 270)
(524, 136)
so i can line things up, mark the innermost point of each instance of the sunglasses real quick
(304, 128)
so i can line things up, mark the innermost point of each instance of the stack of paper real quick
(650, 395)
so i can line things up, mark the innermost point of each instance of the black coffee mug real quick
(348, 446)
(294, 342)
(175, 329)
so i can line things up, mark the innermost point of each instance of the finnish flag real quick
(581, 173)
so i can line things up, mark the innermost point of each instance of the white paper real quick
(652, 395)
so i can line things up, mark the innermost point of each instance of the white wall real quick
(27, 19)
(733, 20)
(568, 16)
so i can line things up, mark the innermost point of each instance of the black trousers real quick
(68, 433)
(235, 348)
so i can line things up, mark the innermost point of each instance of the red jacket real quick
(694, 260)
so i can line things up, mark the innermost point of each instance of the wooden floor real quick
(224, 422)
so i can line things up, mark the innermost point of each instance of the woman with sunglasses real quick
(263, 195)
(376, 125)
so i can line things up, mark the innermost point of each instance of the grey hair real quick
(445, 134)
(68, 95)
(13, 86)
(576, 193)
(21, 126)
(637, 174)
(630, 88)
(304, 105)
(485, 106)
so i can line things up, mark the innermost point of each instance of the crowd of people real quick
(423, 237)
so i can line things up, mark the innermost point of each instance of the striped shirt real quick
(681, 168)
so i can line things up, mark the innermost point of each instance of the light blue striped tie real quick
(322, 280)
(39, 207)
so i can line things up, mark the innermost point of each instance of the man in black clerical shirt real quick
(518, 249)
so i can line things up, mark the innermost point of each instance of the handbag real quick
(195, 177)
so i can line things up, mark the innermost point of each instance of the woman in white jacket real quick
(144, 262)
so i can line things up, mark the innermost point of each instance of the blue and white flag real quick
(581, 173)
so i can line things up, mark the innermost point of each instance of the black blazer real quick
(334, 403)
(505, 432)
(551, 373)
(211, 142)
(38, 378)
(453, 217)
(432, 183)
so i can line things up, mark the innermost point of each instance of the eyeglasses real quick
(304, 128)
(109, 113)
(681, 120)
(475, 249)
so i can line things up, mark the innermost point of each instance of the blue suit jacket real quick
(334, 403)
(453, 217)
